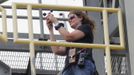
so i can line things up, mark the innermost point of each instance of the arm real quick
(75, 35)
(56, 49)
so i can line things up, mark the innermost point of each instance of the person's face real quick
(74, 20)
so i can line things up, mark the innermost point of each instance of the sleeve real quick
(86, 29)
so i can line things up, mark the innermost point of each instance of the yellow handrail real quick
(3, 36)
(33, 43)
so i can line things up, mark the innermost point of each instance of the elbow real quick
(60, 53)
(69, 38)
(56, 52)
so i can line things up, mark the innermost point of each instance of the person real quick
(83, 64)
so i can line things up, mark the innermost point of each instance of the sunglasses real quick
(71, 17)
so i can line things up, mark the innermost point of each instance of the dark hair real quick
(85, 18)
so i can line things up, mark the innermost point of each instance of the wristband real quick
(59, 25)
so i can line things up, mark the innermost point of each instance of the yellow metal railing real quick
(3, 36)
(33, 43)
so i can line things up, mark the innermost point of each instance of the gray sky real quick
(57, 2)
(36, 27)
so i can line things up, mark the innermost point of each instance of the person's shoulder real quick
(85, 25)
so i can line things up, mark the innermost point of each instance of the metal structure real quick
(4, 69)
(114, 44)
(3, 36)
(1, 1)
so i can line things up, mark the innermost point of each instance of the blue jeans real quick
(89, 69)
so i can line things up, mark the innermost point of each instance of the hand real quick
(49, 24)
(52, 18)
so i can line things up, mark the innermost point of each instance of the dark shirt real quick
(88, 38)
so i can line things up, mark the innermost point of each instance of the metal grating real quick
(44, 61)
(119, 65)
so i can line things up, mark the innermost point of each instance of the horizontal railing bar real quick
(63, 8)
(67, 44)
(117, 47)
(34, 17)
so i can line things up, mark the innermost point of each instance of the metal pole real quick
(31, 46)
(41, 31)
(41, 21)
(106, 39)
(124, 5)
(105, 3)
(113, 3)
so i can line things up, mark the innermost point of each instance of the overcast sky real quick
(57, 2)
(23, 25)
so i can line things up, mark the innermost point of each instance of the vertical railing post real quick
(32, 50)
(15, 26)
(4, 23)
(3, 37)
(106, 39)
(121, 32)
